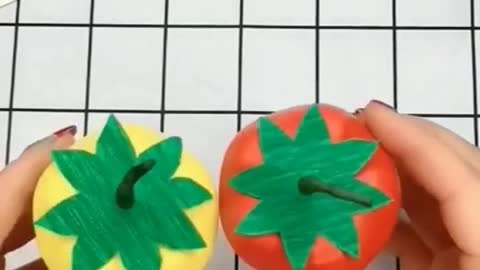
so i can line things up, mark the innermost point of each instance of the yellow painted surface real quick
(52, 188)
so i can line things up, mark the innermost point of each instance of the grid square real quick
(97, 121)
(217, 128)
(7, 13)
(204, 12)
(279, 12)
(6, 49)
(477, 13)
(434, 72)
(433, 12)
(127, 68)
(3, 137)
(208, 144)
(130, 12)
(51, 66)
(346, 79)
(463, 127)
(55, 11)
(368, 12)
(278, 68)
(28, 127)
(207, 69)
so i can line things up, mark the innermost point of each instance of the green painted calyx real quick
(127, 204)
(306, 188)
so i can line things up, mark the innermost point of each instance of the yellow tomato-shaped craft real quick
(126, 198)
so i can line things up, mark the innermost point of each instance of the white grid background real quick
(203, 69)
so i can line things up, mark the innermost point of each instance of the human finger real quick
(421, 207)
(453, 258)
(409, 248)
(423, 213)
(17, 183)
(436, 168)
(422, 154)
(465, 150)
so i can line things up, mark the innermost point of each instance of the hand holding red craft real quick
(308, 188)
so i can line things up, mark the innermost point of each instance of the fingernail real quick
(379, 102)
(358, 111)
(51, 139)
(72, 130)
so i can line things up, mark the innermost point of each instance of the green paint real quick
(306, 188)
(125, 205)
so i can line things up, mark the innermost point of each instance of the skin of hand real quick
(17, 184)
(440, 181)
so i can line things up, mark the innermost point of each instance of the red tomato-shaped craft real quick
(308, 188)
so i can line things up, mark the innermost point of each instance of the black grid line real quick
(395, 54)
(240, 67)
(193, 111)
(12, 84)
(474, 70)
(247, 26)
(236, 261)
(395, 78)
(164, 67)
(89, 67)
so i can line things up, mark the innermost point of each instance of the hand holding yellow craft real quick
(126, 199)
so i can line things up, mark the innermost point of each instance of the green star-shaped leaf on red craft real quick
(291, 169)
(102, 228)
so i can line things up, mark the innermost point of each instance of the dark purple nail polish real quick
(358, 111)
(72, 130)
(383, 104)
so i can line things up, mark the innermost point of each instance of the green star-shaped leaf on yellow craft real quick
(306, 188)
(126, 204)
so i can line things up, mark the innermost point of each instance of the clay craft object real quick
(308, 188)
(126, 198)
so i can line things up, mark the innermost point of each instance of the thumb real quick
(434, 164)
(408, 246)
(437, 167)
(19, 178)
